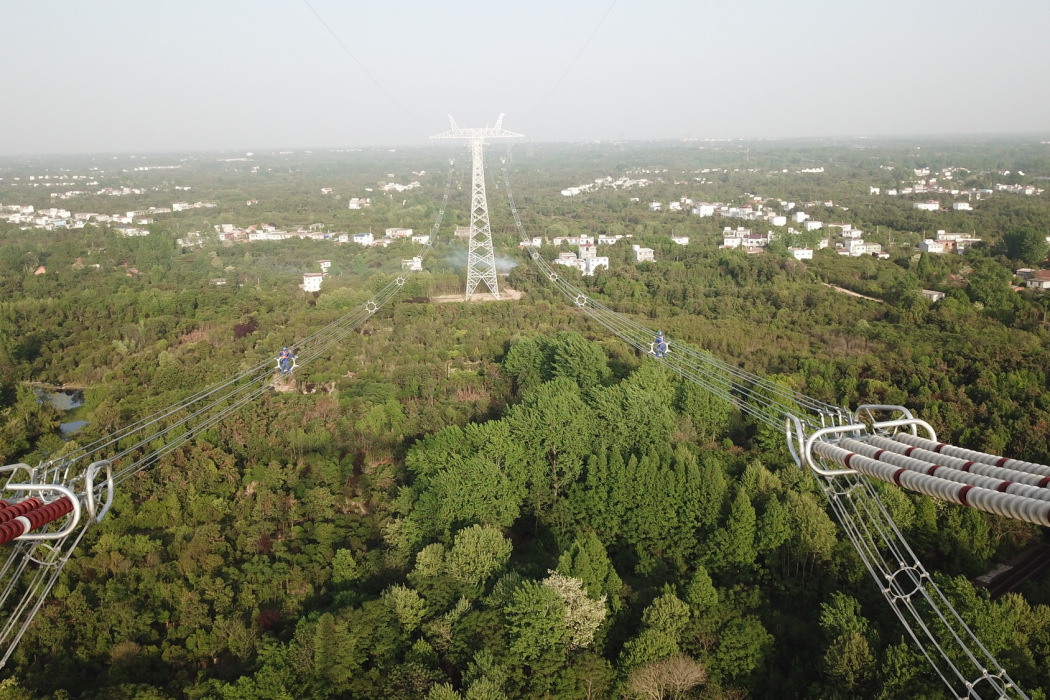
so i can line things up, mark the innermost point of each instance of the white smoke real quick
(505, 264)
(457, 260)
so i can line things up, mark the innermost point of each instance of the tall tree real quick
(734, 547)
(535, 618)
(556, 427)
(479, 553)
(587, 560)
(1025, 245)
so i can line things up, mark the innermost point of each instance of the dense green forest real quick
(499, 500)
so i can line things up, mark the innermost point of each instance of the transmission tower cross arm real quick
(478, 133)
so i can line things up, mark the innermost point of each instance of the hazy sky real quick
(135, 76)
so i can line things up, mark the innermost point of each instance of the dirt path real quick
(505, 293)
(852, 294)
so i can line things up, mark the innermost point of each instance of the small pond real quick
(67, 401)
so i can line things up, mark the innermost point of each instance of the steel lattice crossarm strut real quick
(481, 259)
(481, 133)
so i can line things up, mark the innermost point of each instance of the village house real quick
(956, 242)
(312, 281)
(731, 240)
(1039, 279)
(754, 240)
(856, 247)
(643, 254)
(574, 240)
(586, 265)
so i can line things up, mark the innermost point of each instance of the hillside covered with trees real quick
(499, 500)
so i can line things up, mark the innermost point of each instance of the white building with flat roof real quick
(363, 238)
(643, 254)
(592, 264)
(583, 239)
(587, 266)
(312, 281)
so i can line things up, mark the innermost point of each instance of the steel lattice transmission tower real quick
(481, 260)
